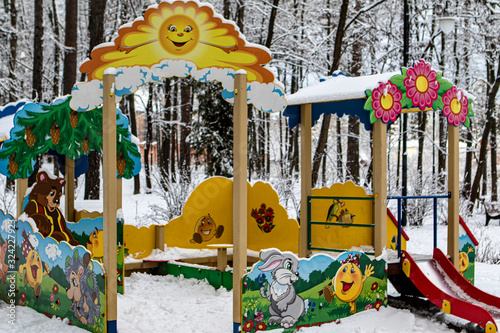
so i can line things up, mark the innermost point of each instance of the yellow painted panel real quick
(268, 221)
(446, 307)
(392, 235)
(341, 211)
(207, 217)
(139, 241)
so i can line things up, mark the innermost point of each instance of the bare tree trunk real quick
(185, 154)
(353, 149)
(38, 53)
(240, 14)
(468, 164)
(173, 134)
(422, 120)
(70, 42)
(57, 50)
(493, 159)
(164, 150)
(133, 127)
(340, 165)
(272, 19)
(442, 133)
(226, 13)
(96, 33)
(149, 138)
(337, 52)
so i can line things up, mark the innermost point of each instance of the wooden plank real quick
(221, 259)
(240, 143)
(454, 189)
(109, 196)
(69, 189)
(305, 174)
(160, 237)
(21, 187)
(140, 265)
(380, 185)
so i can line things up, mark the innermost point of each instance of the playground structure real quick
(221, 213)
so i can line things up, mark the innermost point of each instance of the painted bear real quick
(43, 208)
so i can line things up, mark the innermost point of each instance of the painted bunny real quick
(286, 306)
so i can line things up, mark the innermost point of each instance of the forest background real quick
(189, 125)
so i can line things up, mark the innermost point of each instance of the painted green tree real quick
(41, 127)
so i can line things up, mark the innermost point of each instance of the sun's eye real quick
(32, 256)
(188, 28)
(345, 269)
(172, 28)
(352, 270)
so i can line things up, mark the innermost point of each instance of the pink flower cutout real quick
(421, 84)
(386, 101)
(456, 106)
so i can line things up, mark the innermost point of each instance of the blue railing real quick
(400, 198)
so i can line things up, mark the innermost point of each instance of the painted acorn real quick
(73, 119)
(13, 166)
(120, 164)
(55, 133)
(30, 137)
(85, 146)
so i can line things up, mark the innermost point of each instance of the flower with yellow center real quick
(421, 85)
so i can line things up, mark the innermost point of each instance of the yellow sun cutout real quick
(180, 30)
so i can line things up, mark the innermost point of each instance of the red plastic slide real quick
(442, 284)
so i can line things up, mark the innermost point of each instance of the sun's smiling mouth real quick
(346, 286)
(178, 44)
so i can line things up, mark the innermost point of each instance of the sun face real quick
(179, 34)
(348, 282)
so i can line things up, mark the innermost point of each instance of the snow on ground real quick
(177, 305)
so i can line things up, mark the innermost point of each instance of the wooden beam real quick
(160, 237)
(454, 189)
(240, 147)
(380, 185)
(305, 174)
(69, 189)
(109, 196)
(21, 187)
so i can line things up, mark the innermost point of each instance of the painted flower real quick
(421, 84)
(386, 101)
(378, 304)
(58, 301)
(268, 217)
(263, 205)
(247, 326)
(254, 213)
(456, 106)
(260, 326)
(262, 211)
(375, 286)
(52, 297)
(368, 307)
(259, 219)
(21, 303)
(23, 296)
(270, 210)
(258, 316)
(267, 228)
(55, 289)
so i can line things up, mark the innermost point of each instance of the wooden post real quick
(305, 175)
(240, 144)
(21, 187)
(453, 188)
(380, 185)
(160, 237)
(69, 189)
(119, 193)
(109, 195)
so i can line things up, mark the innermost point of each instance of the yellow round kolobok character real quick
(348, 282)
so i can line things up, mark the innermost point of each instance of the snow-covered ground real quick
(178, 305)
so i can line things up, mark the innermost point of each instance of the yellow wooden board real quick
(346, 211)
(207, 218)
